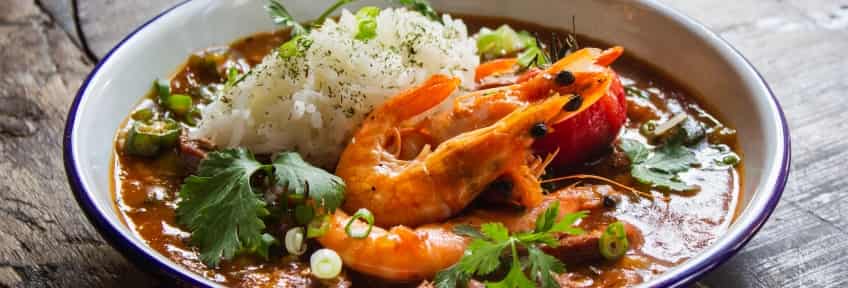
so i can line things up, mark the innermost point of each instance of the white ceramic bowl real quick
(673, 42)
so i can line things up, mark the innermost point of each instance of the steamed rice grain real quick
(312, 102)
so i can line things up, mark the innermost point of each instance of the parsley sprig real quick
(492, 245)
(421, 6)
(224, 212)
(661, 167)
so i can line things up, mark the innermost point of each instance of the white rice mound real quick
(311, 103)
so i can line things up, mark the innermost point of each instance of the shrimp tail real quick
(413, 102)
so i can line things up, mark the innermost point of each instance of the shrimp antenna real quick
(603, 179)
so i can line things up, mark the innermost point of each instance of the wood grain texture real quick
(45, 241)
(799, 46)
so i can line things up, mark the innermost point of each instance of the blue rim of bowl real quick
(141, 257)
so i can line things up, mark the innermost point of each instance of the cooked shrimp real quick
(436, 185)
(402, 253)
(481, 108)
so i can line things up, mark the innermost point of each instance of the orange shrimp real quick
(402, 254)
(436, 184)
(484, 107)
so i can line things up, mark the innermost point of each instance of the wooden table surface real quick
(47, 47)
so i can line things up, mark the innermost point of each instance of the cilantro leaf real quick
(546, 220)
(661, 167)
(495, 231)
(220, 208)
(484, 257)
(282, 17)
(635, 150)
(514, 279)
(301, 178)
(659, 179)
(421, 6)
(485, 252)
(671, 158)
(566, 224)
(543, 265)
(452, 277)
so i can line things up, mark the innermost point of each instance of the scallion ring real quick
(357, 232)
(613, 243)
(325, 264)
(318, 226)
(367, 26)
(296, 241)
(179, 104)
(148, 138)
(145, 114)
(163, 90)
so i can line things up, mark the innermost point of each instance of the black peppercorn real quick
(539, 130)
(609, 202)
(574, 103)
(565, 78)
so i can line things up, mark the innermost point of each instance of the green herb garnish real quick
(163, 90)
(367, 23)
(613, 243)
(421, 6)
(149, 138)
(220, 207)
(659, 168)
(330, 11)
(282, 17)
(301, 178)
(490, 243)
(225, 214)
(533, 56)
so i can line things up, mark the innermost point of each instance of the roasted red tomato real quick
(586, 135)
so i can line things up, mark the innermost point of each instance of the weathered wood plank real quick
(62, 13)
(105, 22)
(45, 240)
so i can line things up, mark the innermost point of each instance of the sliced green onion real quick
(498, 43)
(329, 11)
(318, 226)
(367, 27)
(147, 139)
(180, 104)
(325, 264)
(532, 56)
(163, 90)
(304, 213)
(296, 241)
(145, 114)
(232, 76)
(358, 232)
(193, 116)
(730, 159)
(647, 129)
(527, 40)
(294, 47)
(613, 243)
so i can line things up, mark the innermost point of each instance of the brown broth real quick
(675, 226)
